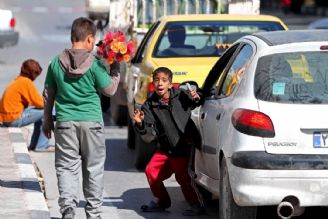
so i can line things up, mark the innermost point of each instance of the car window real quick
(205, 38)
(141, 49)
(299, 77)
(217, 70)
(235, 73)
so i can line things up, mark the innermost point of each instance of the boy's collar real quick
(155, 100)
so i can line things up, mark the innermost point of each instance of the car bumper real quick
(8, 38)
(269, 186)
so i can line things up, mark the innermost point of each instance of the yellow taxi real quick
(189, 45)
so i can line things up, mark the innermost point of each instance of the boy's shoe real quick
(194, 210)
(152, 207)
(68, 214)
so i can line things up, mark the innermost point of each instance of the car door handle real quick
(218, 117)
(203, 115)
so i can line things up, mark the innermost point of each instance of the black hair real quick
(164, 70)
(176, 34)
(81, 28)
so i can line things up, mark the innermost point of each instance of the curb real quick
(34, 198)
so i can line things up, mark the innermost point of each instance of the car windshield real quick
(300, 77)
(205, 38)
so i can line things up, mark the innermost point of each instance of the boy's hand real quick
(194, 95)
(138, 117)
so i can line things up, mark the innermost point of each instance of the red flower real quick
(114, 47)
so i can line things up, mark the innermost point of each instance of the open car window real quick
(207, 38)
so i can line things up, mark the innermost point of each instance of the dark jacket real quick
(179, 108)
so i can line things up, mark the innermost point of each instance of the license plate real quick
(320, 139)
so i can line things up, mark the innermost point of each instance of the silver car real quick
(264, 125)
(8, 35)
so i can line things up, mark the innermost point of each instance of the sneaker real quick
(152, 207)
(194, 210)
(68, 213)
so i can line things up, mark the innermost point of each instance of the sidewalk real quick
(21, 194)
(293, 21)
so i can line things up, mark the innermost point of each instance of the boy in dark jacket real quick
(165, 116)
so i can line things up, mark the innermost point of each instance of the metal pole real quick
(196, 6)
(219, 6)
(154, 10)
(143, 14)
(207, 6)
(187, 7)
(165, 7)
(109, 16)
(175, 6)
(135, 13)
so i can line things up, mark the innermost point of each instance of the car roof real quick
(275, 38)
(223, 17)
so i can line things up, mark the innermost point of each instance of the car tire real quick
(143, 152)
(131, 135)
(228, 209)
(206, 195)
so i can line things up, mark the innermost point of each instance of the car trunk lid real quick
(299, 128)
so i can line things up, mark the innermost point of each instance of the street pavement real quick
(20, 188)
(24, 193)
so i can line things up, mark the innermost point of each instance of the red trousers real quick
(160, 168)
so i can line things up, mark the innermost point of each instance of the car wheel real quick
(131, 135)
(143, 152)
(228, 209)
(206, 195)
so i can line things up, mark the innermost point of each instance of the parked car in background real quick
(319, 24)
(264, 126)
(189, 45)
(97, 9)
(8, 34)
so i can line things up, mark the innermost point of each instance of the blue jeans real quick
(31, 115)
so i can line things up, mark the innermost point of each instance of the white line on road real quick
(65, 9)
(40, 9)
(62, 38)
(113, 210)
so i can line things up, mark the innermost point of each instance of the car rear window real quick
(300, 77)
(205, 38)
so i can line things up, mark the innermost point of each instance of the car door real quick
(200, 114)
(215, 113)
(136, 64)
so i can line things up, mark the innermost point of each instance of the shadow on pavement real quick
(119, 157)
(24, 184)
(133, 199)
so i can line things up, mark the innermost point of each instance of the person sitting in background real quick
(177, 36)
(21, 104)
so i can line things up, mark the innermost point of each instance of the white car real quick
(264, 125)
(97, 9)
(8, 34)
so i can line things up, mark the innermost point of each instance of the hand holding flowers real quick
(115, 48)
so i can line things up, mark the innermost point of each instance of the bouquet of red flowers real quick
(115, 48)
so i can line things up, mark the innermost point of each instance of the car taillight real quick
(324, 47)
(253, 123)
(12, 23)
(150, 87)
(176, 85)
